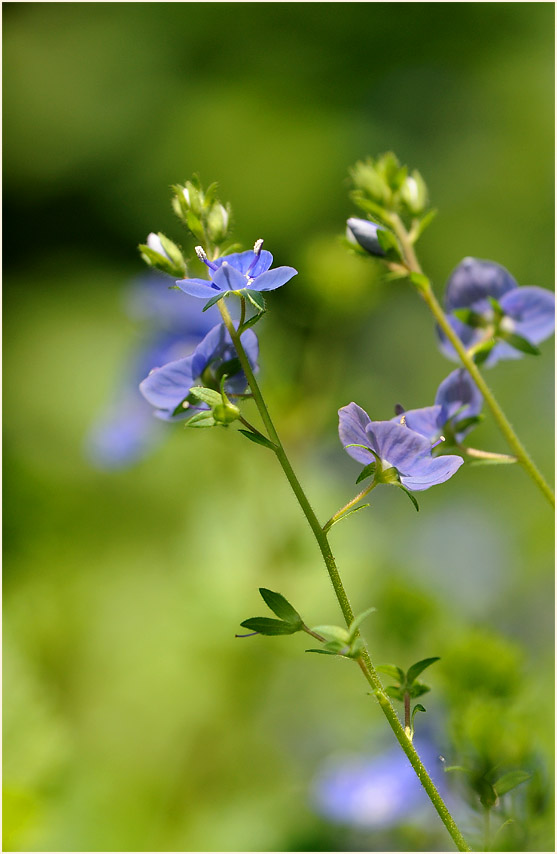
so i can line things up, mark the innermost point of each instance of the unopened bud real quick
(225, 413)
(364, 233)
(154, 243)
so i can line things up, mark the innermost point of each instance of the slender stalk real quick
(364, 662)
(346, 507)
(504, 424)
(407, 724)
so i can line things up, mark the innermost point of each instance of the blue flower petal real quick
(262, 264)
(429, 471)
(239, 260)
(197, 288)
(533, 311)
(228, 278)
(475, 280)
(273, 279)
(459, 396)
(166, 387)
(426, 421)
(352, 424)
(397, 445)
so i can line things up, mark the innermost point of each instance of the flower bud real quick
(414, 193)
(364, 233)
(217, 223)
(162, 254)
(154, 243)
(225, 413)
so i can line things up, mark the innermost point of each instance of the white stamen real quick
(201, 254)
(257, 246)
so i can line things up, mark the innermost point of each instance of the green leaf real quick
(509, 781)
(256, 298)
(281, 607)
(268, 626)
(468, 422)
(424, 223)
(519, 343)
(417, 708)
(251, 321)
(357, 622)
(258, 439)
(410, 496)
(482, 353)
(333, 633)
(202, 419)
(345, 516)
(488, 795)
(323, 651)
(393, 671)
(419, 667)
(207, 395)
(367, 471)
(214, 299)
(470, 318)
(395, 693)
(417, 689)
(420, 280)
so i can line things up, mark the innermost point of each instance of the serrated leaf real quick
(393, 671)
(417, 708)
(419, 667)
(519, 343)
(281, 607)
(410, 496)
(256, 298)
(213, 300)
(332, 633)
(367, 471)
(268, 626)
(207, 395)
(357, 622)
(470, 318)
(417, 689)
(395, 693)
(509, 781)
(258, 439)
(201, 419)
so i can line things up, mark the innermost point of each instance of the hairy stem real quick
(320, 535)
(504, 424)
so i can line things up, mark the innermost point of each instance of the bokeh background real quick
(133, 718)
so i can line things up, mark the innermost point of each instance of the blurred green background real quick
(133, 719)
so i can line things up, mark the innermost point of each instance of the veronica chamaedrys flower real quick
(364, 233)
(370, 792)
(457, 400)
(238, 271)
(173, 324)
(396, 446)
(167, 387)
(528, 312)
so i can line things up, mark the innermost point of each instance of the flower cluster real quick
(485, 306)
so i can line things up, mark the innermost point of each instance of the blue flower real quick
(126, 431)
(396, 447)
(528, 312)
(364, 232)
(236, 272)
(457, 400)
(375, 791)
(167, 388)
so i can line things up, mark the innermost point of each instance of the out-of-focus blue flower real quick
(364, 233)
(529, 312)
(126, 431)
(375, 792)
(396, 446)
(457, 400)
(236, 272)
(167, 388)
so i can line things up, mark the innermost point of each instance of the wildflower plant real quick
(486, 317)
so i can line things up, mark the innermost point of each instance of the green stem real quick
(320, 535)
(504, 424)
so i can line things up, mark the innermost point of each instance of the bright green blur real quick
(133, 718)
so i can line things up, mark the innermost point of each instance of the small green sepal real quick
(367, 471)
(470, 318)
(214, 300)
(519, 343)
(412, 498)
(256, 298)
(201, 419)
(207, 395)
